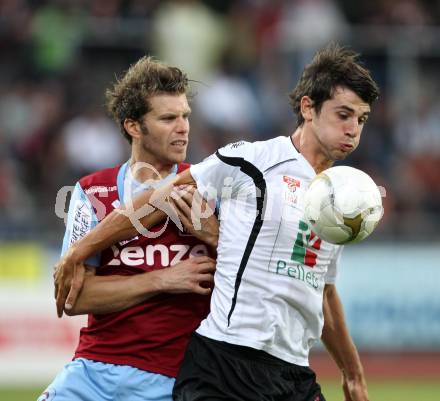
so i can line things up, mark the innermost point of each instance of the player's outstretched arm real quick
(108, 294)
(338, 342)
(145, 211)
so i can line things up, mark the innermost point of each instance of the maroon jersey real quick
(152, 335)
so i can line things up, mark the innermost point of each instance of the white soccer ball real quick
(343, 205)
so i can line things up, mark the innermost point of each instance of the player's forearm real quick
(108, 294)
(143, 212)
(117, 226)
(337, 339)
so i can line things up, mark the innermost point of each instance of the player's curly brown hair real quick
(129, 96)
(331, 67)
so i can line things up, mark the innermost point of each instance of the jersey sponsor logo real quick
(305, 245)
(100, 189)
(297, 261)
(297, 272)
(168, 256)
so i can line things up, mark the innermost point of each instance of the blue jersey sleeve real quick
(81, 219)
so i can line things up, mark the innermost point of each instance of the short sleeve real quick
(81, 219)
(330, 277)
(221, 169)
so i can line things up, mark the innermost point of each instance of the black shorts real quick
(214, 370)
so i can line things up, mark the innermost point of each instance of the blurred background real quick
(56, 59)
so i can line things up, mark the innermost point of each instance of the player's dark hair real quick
(331, 67)
(129, 96)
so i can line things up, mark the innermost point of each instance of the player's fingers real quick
(186, 187)
(60, 300)
(207, 267)
(193, 198)
(180, 193)
(187, 197)
(210, 203)
(183, 210)
(200, 207)
(75, 286)
(183, 202)
(202, 290)
(202, 259)
(205, 278)
(188, 190)
(185, 220)
(60, 293)
(55, 285)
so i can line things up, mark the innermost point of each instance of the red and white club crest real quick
(291, 182)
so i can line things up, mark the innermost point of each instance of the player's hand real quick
(194, 275)
(196, 215)
(354, 390)
(68, 280)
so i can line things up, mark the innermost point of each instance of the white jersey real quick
(271, 269)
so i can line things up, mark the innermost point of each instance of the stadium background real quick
(56, 59)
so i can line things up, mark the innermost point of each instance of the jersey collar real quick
(124, 174)
(285, 151)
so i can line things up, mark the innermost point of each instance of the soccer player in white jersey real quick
(275, 293)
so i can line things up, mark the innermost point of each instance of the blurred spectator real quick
(403, 12)
(309, 24)
(92, 142)
(228, 104)
(304, 27)
(417, 138)
(15, 16)
(16, 202)
(190, 35)
(418, 133)
(18, 118)
(105, 8)
(141, 9)
(59, 55)
(57, 31)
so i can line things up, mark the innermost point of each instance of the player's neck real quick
(310, 150)
(144, 167)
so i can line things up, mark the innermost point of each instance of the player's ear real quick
(306, 105)
(133, 128)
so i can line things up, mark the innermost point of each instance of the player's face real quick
(165, 129)
(338, 126)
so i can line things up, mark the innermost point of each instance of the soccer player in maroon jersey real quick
(145, 295)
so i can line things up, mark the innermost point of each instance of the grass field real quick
(385, 390)
(379, 391)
